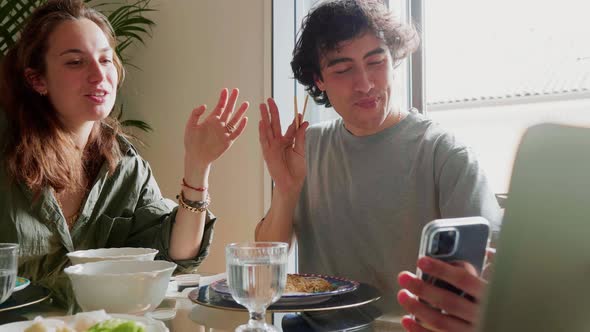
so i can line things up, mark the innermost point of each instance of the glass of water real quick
(256, 276)
(8, 266)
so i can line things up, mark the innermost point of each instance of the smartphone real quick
(456, 241)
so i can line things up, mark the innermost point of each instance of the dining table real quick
(181, 311)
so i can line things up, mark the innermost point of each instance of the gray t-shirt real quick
(366, 199)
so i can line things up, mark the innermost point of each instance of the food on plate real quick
(307, 284)
(40, 325)
(92, 321)
(117, 325)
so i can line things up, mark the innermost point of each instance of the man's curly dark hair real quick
(335, 21)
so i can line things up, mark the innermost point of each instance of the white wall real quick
(197, 48)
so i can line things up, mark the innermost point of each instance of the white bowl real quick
(127, 287)
(112, 254)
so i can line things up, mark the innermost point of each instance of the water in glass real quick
(256, 276)
(256, 284)
(7, 283)
(8, 267)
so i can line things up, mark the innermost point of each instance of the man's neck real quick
(393, 118)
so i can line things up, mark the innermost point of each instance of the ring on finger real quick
(230, 128)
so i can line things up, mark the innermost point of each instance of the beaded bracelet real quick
(193, 206)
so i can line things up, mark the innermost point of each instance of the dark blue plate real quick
(28, 296)
(361, 296)
(341, 286)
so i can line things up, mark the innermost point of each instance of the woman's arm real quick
(204, 143)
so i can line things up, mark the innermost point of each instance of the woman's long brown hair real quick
(38, 151)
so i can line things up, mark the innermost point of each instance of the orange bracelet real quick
(184, 184)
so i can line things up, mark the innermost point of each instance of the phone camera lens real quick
(443, 243)
(434, 246)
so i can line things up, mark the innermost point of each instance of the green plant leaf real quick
(137, 21)
(122, 46)
(129, 12)
(142, 125)
(132, 35)
(133, 28)
(137, 124)
(13, 14)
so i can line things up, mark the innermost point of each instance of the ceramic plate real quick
(151, 324)
(364, 294)
(25, 297)
(21, 283)
(341, 286)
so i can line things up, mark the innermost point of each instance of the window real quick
(494, 68)
(491, 70)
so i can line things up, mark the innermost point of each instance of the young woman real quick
(69, 179)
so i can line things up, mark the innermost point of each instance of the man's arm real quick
(278, 223)
(464, 190)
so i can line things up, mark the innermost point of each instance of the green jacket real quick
(125, 209)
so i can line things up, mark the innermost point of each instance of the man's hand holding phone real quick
(459, 313)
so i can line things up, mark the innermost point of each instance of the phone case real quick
(470, 245)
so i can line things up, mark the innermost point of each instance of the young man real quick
(357, 191)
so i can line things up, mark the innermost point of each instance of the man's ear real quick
(319, 82)
(36, 81)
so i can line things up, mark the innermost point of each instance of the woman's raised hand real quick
(206, 141)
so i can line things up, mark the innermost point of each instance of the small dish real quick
(111, 254)
(126, 287)
(184, 281)
(21, 283)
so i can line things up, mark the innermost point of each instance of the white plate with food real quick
(87, 322)
(302, 288)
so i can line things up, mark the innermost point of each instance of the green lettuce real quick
(117, 325)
